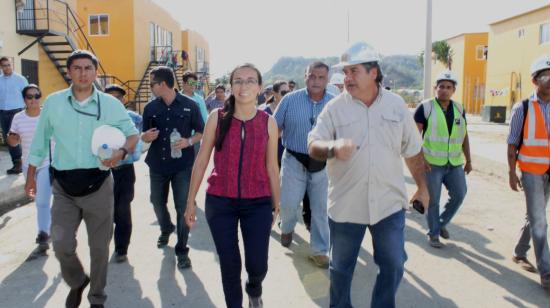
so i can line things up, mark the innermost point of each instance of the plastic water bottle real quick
(174, 137)
(104, 152)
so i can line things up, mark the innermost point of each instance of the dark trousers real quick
(306, 211)
(223, 216)
(160, 187)
(125, 178)
(6, 116)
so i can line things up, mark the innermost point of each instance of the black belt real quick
(123, 166)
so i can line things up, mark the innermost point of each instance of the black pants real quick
(124, 177)
(254, 216)
(6, 117)
(306, 211)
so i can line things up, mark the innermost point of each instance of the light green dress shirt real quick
(71, 127)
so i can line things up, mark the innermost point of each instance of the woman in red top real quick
(243, 187)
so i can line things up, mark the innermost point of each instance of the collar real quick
(324, 98)
(93, 98)
(536, 97)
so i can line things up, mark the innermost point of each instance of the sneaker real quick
(444, 233)
(255, 302)
(75, 295)
(43, 239)
(321, 261)
(545, 282)
(434, 242)
(16, 169)
(163, 238)
(120, 258)
(525, 264)
(286, 239)
(184, 261)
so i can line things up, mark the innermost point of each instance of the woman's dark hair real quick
(229, 106)
(28, 87)
(276, 88)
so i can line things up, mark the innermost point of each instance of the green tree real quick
(442, 52)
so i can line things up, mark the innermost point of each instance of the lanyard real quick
(98, 115)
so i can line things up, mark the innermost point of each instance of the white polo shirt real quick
(370, 186)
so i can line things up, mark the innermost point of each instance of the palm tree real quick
(442, 52)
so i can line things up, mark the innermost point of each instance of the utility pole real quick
(428, 52)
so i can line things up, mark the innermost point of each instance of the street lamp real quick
(428, 51)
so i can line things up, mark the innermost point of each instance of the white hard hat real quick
(333, 89)
(358, 53)
(337, 78)
(447, 75)
(540, 64)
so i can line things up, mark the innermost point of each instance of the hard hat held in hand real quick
(106, 134)
(358, 53)
(540, 64)
(446, 75)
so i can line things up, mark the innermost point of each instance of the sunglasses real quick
(30, 96)
(191, 82)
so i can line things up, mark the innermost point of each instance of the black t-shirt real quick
(449, 116)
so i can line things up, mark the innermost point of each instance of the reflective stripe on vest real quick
(440, 148)
(534, 154)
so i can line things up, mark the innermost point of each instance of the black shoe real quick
(75, 295)
(16, 169)
(184, 261)
(120, 258)
(43, 240)
(163, 239)
(444, 233)
(434, 242)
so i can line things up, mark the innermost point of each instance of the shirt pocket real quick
(392, 131)
(183, 123)
(351, 128)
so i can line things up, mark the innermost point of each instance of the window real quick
(521, 33)
(481, 52)
(99, 24)
(545, 33)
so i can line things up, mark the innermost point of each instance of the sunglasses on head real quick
(30, 96)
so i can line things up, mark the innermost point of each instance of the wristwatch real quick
(125, 153)
(190, 141)
(330, 153)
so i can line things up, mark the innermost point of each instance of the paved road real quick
(473, 270)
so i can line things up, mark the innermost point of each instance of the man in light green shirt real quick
(81, 190)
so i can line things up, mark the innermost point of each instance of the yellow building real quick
(469, 65)
(198, 53)
(514, 43)
(129, 37)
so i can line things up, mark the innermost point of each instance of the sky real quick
(260, 31)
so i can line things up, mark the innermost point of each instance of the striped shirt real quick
(296, 116)
(24, 125)
(516, 121)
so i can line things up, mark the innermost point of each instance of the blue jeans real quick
(537, 193)
(43, 198)
(295, 181)
(523, 244)
(454, 180)
(255, 217)
(389, 254)
(6, 116)
(160, 186)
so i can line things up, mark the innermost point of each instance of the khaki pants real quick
(96, 210)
